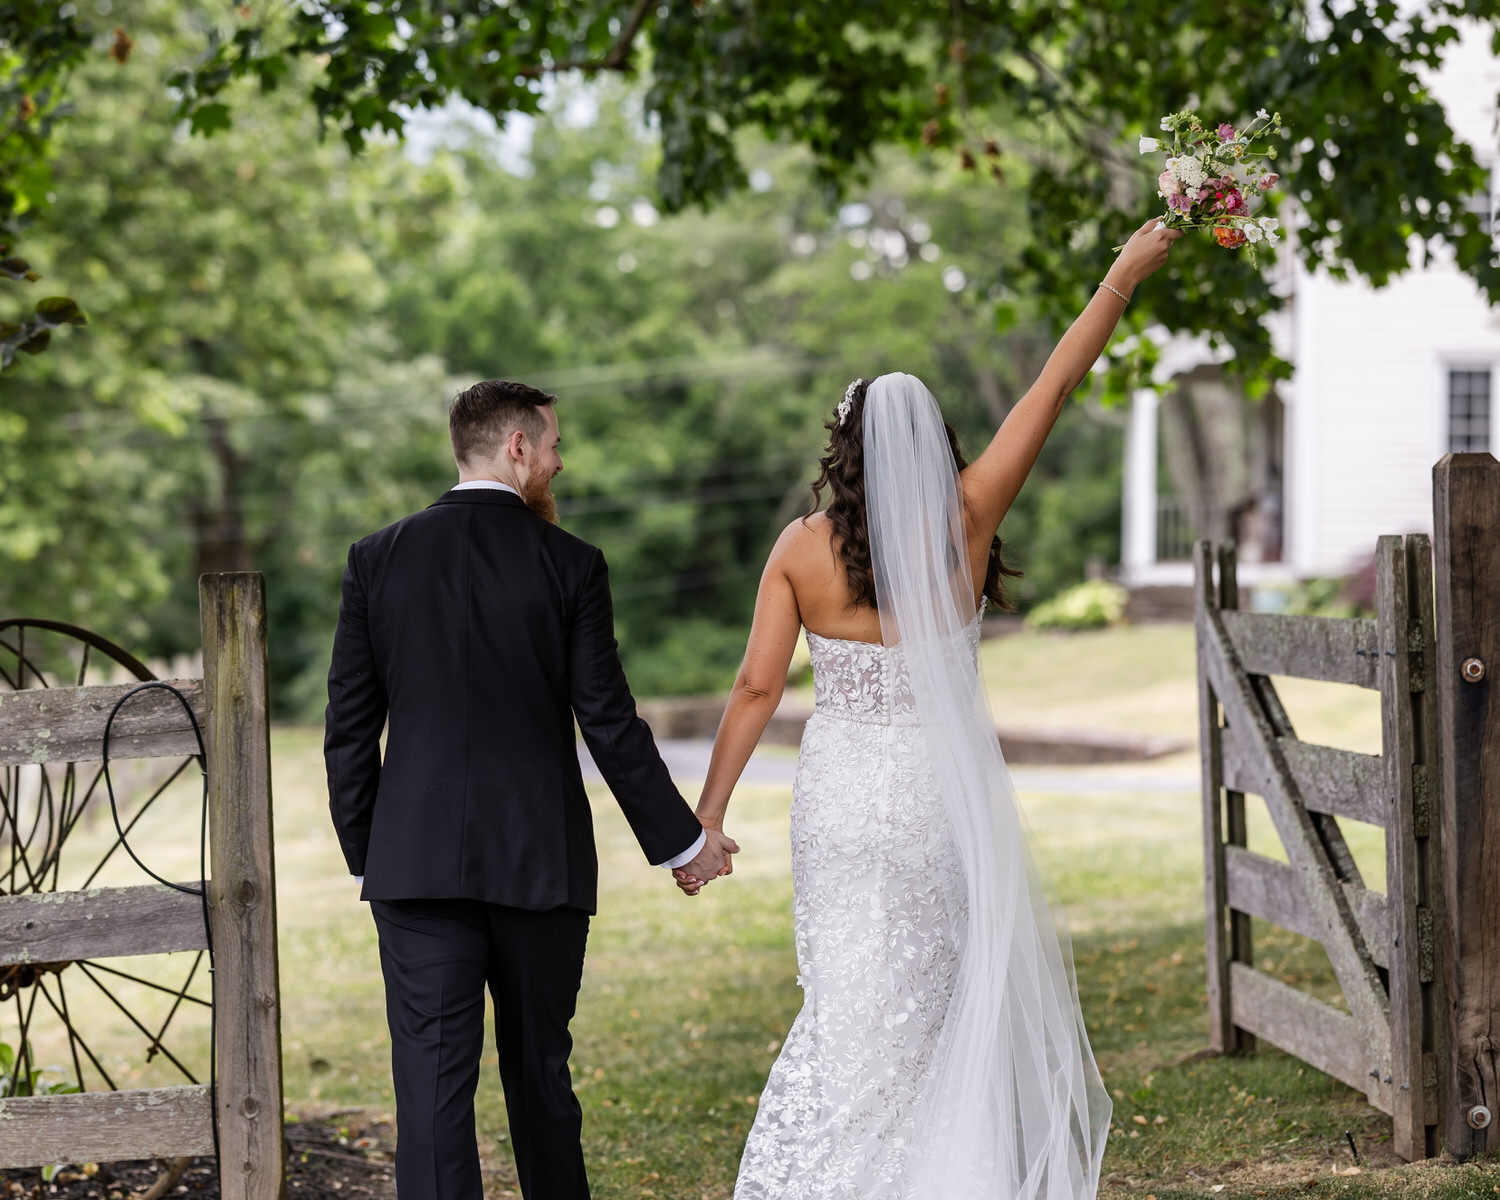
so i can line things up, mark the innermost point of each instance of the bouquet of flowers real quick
(1211, 178)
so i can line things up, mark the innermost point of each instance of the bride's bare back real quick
(807, 554)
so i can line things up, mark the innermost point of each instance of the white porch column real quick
(1138, 532)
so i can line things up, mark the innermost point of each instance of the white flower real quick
(1272, 238)
(1148, 144)
(1166, 124)
(1262, 115)
(1189, 170)
(1269, 224)
(1253, 233)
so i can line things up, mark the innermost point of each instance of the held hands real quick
(712, 861)
(1143, 255)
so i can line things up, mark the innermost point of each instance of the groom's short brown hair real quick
(484, 415)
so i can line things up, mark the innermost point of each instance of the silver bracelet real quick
(1115, 290)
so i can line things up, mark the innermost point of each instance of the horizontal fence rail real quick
(1311, 1029)
(41, 725)
(106, 922)
(107, 1126)
(1332, 649)
(1263, 887)
(1341, 783)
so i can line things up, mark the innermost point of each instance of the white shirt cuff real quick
(357, 878)
(687, 855)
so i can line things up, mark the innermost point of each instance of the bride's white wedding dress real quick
(940, 1053)
(879, 908)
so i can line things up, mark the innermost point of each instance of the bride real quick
(940, 1053)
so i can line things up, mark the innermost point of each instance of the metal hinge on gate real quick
(1430, 1101)
(1426, 945)
(1421, 801)
(1416, 646)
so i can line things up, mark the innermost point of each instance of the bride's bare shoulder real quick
(804, 542)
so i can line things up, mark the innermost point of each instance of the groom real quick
(475, 632)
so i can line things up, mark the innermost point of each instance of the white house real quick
(1385, 382)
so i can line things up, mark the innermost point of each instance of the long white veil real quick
(1020, 1110)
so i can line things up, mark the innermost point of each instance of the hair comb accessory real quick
(848, 401)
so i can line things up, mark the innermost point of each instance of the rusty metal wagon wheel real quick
(56, 835)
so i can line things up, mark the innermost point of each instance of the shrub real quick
(1089, 605)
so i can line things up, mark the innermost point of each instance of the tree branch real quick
(613, 61)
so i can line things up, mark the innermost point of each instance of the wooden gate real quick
(1383, 948)
(229, 702)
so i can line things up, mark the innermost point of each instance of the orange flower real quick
(1229, 237)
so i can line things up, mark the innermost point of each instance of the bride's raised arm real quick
(992, 481)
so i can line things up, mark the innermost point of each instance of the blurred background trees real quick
(277, 323)
(277, 326)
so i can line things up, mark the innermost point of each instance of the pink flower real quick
(1180, 203)
(1231, 201)
(1226, 133)
(1268, 181)
(1169, 184)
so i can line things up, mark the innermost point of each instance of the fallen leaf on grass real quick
(1347, 1171)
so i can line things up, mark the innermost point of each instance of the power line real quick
(699, 472)
(627, 375)
(325, 533)
(770, 480)
(675, 585)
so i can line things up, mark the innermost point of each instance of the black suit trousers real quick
(437, 957)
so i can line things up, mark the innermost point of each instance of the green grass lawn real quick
(685, 1003)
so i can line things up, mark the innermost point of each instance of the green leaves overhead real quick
(1372, 163)
(40, 43)
(18, 268)
(34, 335)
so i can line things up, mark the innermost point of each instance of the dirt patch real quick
(344, 1154)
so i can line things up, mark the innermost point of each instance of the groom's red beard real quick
(537, 493)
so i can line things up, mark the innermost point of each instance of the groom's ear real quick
(513, 445)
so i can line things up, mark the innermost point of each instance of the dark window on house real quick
(1484, 204)
(1468, 411)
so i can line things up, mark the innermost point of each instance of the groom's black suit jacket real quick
(481, 630)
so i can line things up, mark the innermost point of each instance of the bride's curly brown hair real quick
(841, 472)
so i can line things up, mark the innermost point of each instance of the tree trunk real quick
(1223, 454)
(220, 527)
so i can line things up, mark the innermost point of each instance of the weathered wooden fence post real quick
(1403, 572)
(1466, 520)
(1228, 931)
(242, 889)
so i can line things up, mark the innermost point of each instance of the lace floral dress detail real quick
(878, 911)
